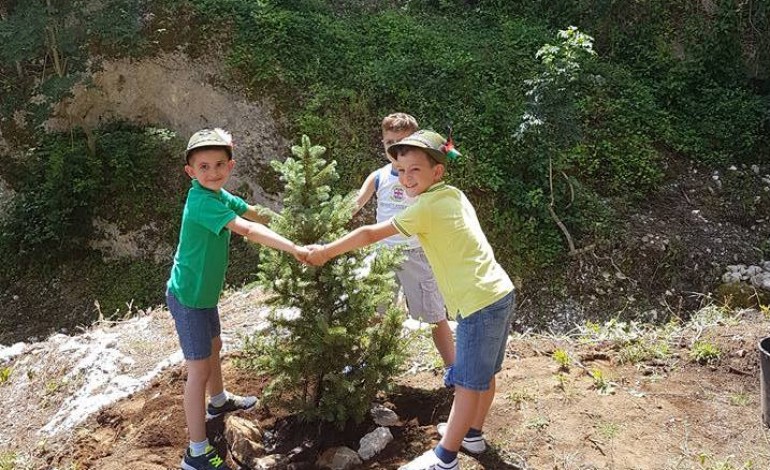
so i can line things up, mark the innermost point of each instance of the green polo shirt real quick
(198, 274)
(467, 273)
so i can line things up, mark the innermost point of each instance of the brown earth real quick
(666, 413)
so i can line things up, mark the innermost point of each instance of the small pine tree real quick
(328, 359)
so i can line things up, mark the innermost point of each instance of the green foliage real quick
(327, 360)
(7, 460)
(705, 352)
(69, 179)
(562, 358)
(5, 374)
(602, 383)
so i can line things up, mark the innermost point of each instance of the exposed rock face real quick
(183, 95)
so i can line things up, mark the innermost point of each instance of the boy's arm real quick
(365, 193)
(258, 233)
(358, 238)
(258, 214)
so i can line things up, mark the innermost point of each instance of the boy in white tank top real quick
(423, 299)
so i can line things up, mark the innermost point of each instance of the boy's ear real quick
(438, 172)
(189, 170)
(230, 164)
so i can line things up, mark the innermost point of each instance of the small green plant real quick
(519, 397)
(562, 358)
(5, 374)
(53, 386)
(608, 430)
(740, 399)
(705, 352)
(709, 462)
(538, 422)
(602, 383)
(7, 461)
(640, 351)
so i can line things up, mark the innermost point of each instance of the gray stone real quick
(384, 416)
(339, 458)
(374, 442)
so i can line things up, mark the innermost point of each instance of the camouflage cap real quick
(431, 142)
(210, 138)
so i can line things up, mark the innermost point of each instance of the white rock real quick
(374, 442)
(753, 270)
(730, 278)
(755, 169)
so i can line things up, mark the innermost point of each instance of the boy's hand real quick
(301, 253)
(317, 256)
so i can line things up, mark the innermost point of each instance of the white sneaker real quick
(474, 445)
(430, 461)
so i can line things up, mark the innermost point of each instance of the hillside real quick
(652, 405)
(653, 155)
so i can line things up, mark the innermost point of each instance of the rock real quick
(339, 458)
(384, 416)
(761, 281)
(245, 438)
(374, 442)
(729, 278)
(755, 169)
(753, 271)
(269, 462)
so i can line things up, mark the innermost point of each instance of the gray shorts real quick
(423, 299)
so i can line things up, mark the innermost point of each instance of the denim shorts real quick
(481, 339)
(196, 327)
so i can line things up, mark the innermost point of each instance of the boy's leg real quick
(464, 409)
(483, 406)
(445, 344)
(215, 384)
(481, 339)
(195, 398)
(424, 301)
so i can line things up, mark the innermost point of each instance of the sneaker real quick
(474, 445)
(430, 461)
(233, 403)
(208, 461)
(449, 376)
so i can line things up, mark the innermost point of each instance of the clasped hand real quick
(314, 255)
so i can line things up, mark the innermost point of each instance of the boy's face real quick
(391, 137)
(415, 172)
(211, 167)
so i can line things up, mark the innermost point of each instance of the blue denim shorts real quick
(196, 327)
(481, 338)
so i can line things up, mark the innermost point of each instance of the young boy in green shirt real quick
(475, 287)
(197, 277)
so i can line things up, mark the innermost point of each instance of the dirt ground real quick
(670, 413)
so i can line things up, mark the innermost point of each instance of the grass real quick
(602, 383)
(705, 352)
(709, 462)
(562, 358)
(608, 430)
(538, 422)
(519, 397)
(740, 399)
(7, 461)
(5, 374)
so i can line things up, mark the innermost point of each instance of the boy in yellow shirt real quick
(475, 287)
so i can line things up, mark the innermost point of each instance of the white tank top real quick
(391, 200)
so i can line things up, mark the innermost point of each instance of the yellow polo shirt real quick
(446, 224)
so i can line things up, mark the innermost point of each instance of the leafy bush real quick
(69, 179)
